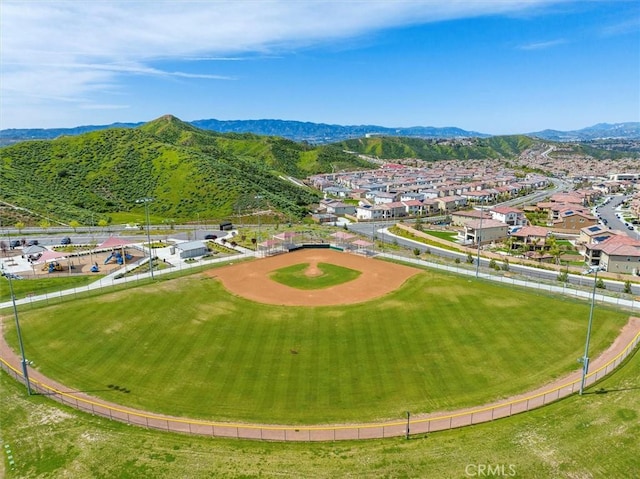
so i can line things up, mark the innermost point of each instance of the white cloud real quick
(542, 45)
(71, 50)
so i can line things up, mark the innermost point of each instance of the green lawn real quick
(445, 235)
(24, 287)
(186, 347)
(329, 275)
(590, 436)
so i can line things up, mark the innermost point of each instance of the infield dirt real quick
(251, 279)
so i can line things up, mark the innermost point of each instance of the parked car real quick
(15, 243)
(32, 242)
(65, 240)
(210, 237)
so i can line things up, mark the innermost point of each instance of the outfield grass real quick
(185, 347)
(579, 437)
(330, 275)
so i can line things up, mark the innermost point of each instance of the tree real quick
(419, 224)
(20, 226)
(416, 251)
(74, 224)
(563, 276)
(44, 224)
(493, 264)
(627, 287)
(469, 258)
(600, 284)
(505, 265)
(102, 223)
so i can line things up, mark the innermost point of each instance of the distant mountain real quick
(322, 133)
(14, 135)
(628, 131)
(314, 133)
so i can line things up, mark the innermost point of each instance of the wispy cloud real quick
(98, 106)
(71, 49)
(542, 45)
(628, 26)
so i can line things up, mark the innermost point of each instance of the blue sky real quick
(494, 66)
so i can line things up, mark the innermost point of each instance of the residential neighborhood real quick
(472, 199)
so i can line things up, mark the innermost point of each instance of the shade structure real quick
(50, 256)
(115, 242)
(341, 235)
(287, 235)
(34, 249)
(362, 243)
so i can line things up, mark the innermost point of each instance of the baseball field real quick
(235, 344)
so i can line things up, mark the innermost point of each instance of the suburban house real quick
(337, 191)
(369, 213)
(447, 204)
(383, 197)
(594, 234)
(617, 254)
(530, 237)
(509, 215)
(485, 231)
(573, 221)
(462, 218)
(336, 207)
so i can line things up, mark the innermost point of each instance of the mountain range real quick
(322, 133)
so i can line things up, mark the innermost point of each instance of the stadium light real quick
(585, 358)
(25, 370)
(146, 202)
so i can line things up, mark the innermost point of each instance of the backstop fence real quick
(418, 425)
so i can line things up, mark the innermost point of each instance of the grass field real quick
(185, 347)
(23, 287)
(328, 275)
(592, 436)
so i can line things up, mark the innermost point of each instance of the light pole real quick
(25, 371)
(585, 358)
(478, 239)
(146, 202)
(258, 197)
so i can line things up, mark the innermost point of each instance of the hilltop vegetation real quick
(433, 150)
(186, 170)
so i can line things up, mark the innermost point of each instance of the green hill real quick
(188, 171)
(387, 147)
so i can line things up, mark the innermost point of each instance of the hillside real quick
(433, 150)
(188, 171)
